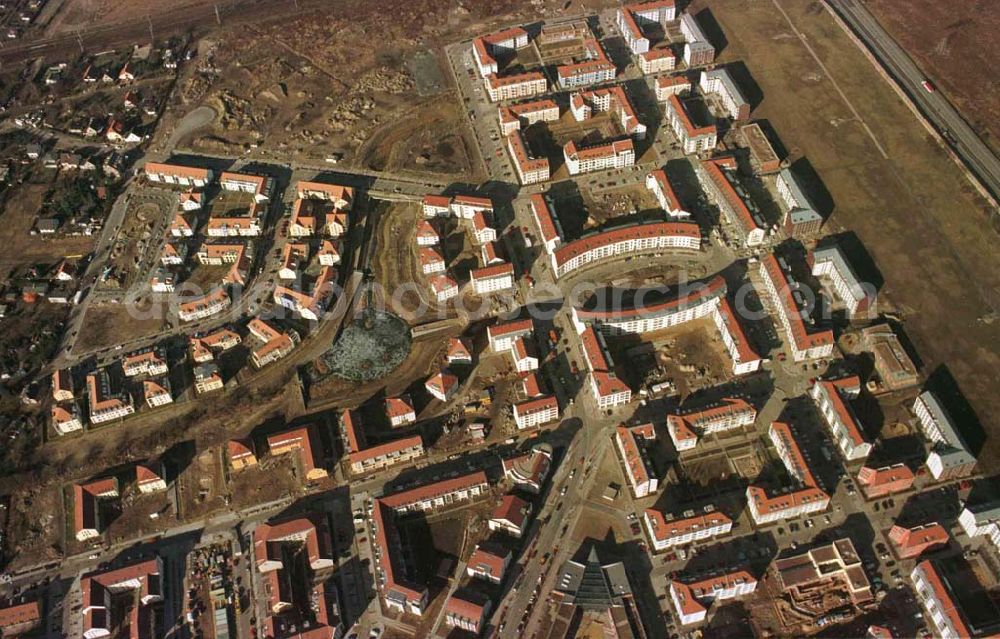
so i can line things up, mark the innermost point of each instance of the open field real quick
(956, 45)
(16, 222)
(913, 210)
(111, 324)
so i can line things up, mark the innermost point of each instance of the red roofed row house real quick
(398, 591)
(627, 241)
(492, 279)
(536, 411)
(364, 459)
(830, 397)
(204, 306)
(604, 385)
(686, 428)
(122, 598)
(631, 443)
(692, 599)
(802, 343)
(766, 507)
(177, 174)
(667, 532)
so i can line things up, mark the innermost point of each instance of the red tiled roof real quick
(543, 215)
(176, 169)
(803, 339)
(19, 614)
(387, 448)
(512, 509)
(497, 270)
(946, 603)
(663, 529)
(436, 489)
(566, 252)
(692, 131)
(715, 287)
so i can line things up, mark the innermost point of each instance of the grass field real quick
(912, 209)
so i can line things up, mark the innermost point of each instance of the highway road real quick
(978, 157)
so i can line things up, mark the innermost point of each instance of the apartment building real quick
(627, 241)
(691, 600)
(949, 457)
(157, 392)
(87, 522)
(745, 358)
(982, 520)
(611, 155)
(150, 362)
(467, 611)
(908, 543)
(833, 567)
(632, 18)
(514, 117)
(549, 229)
(631, 443)
(65, 419)
(666, 531)
(444, 287)
(657, 61)
(832, 401)
(207, 378)
(806, 498)
(604, 385)
(687, 427)
(150, 478)
(696, 301)
(240, 454)
(671, 85)
(830, 264)
(782, 290)
(524, 355)
(530, 169)
(177, 174)
(725, 189)
(720, 82)
(107, 399)
(939, 602)
(659, 185)
(303, 442)
(488, 562)
(698, 50)
(486, 49)
(894, 368)
(482, 229)
(693, 139)
(529, 471)
(501, 336)
(442, 385)
(272, 345)
(399, 410)
(426, 234)
(204, 306)
(613, 100)
(492, 279)
(796, 202)
(515, 87)
(399, 593)
(101, 616)
(384, 455)
(885, 480)
(596, 68)
(62, 385)
(510, 516)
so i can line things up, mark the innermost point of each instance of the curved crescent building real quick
(706, 299)
(625, 241)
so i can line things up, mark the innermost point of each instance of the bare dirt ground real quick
(956, 44)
